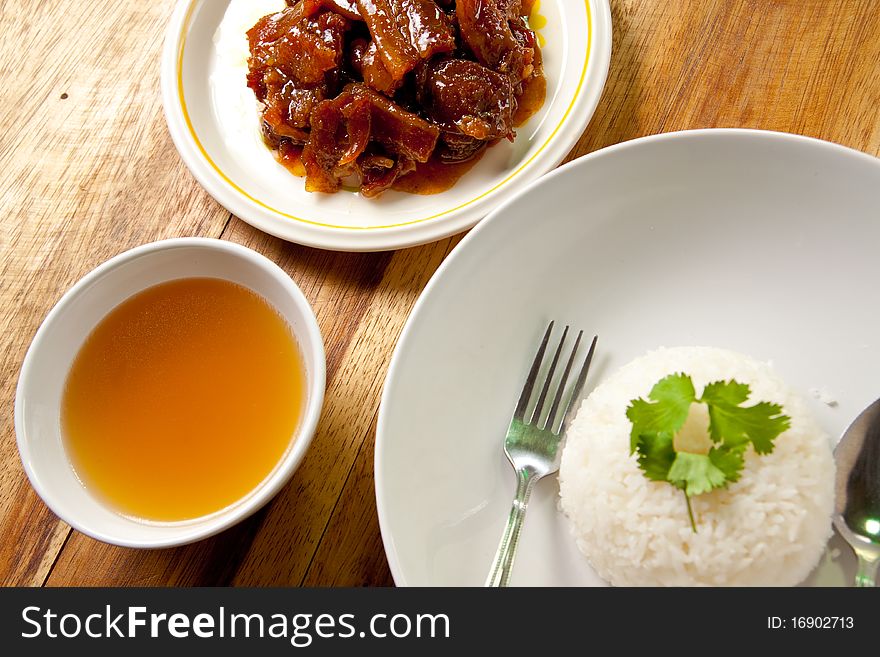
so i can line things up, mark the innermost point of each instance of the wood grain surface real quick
(89, 171)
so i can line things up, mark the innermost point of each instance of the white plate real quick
(760, 242)
(212, 117)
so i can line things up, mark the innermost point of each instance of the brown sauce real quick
(434, 177)
(291, 157)
(531, 101)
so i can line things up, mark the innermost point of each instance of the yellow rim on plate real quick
(229, 181)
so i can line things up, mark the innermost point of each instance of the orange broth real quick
(183, 399)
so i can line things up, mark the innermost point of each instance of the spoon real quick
(857, 491)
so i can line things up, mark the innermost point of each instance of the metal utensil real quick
(857, 491)
(532, 446)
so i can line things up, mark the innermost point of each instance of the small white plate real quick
(760, 242)
(213, 120)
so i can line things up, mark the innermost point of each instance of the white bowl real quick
(213, 120)
(764, 243)
(68, 324)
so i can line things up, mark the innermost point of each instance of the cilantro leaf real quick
(726, 392)
(732, 428)
(656, 455)
(672, 398)
(739, 425)
(695, 473)
(728, 459)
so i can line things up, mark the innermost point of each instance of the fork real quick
(532, 447)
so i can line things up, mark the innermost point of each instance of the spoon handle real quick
(867, 574)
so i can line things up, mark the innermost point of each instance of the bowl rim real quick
(412, 233)
(198, 528)
(768, 136)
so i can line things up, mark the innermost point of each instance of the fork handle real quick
(503, 563)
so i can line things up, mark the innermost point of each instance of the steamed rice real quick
(768, 529)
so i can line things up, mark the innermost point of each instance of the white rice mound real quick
(768, 529)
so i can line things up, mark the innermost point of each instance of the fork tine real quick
(526, 394)
(551, 417)
(540, 403)
(572, 407)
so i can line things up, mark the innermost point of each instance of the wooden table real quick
(89, 171)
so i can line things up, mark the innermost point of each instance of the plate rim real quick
(405, 335)
(420, 231)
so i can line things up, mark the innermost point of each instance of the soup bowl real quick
(38, 400)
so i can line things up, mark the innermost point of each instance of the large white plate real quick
(213, 120)
(760, 242)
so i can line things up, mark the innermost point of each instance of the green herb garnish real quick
(732, 428)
